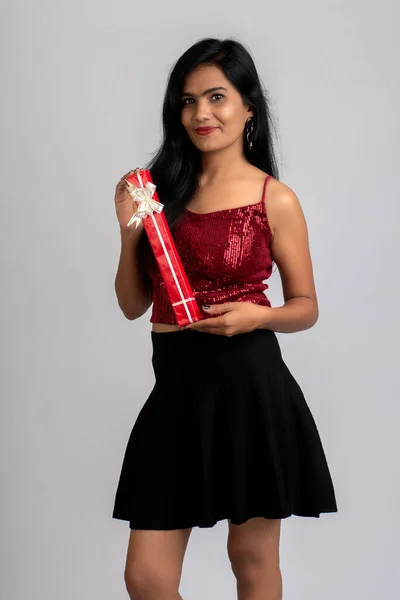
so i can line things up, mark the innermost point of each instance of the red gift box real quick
(149, 209)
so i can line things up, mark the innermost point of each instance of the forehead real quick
(203, 77)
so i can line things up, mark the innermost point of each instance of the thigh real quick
(155, 557)
(254, 542)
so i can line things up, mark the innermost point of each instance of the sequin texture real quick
(226, 255)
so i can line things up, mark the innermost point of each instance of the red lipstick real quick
(205, 130)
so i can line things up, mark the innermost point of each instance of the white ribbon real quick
(146, 203)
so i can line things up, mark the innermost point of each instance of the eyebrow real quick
(214, 89)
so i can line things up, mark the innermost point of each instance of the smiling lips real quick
(205, 130)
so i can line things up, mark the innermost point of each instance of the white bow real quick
(146, 202)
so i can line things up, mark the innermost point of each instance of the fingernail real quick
(206, 306)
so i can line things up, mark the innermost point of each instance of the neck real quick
(223, 164)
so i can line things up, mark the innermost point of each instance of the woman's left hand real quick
(236, 317)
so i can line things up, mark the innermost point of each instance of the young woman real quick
(226, 432)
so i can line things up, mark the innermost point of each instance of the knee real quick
(148, 584)
(244, 564)
(249, 565)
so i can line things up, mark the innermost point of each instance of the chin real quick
(208, 147)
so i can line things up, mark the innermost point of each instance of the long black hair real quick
(175, 167)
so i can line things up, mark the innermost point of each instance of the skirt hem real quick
(234, 520)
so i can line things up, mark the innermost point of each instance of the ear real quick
(250, 112)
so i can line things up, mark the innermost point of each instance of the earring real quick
(249, 132)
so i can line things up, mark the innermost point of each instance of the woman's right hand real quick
(125, 206)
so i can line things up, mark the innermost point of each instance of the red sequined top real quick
(226, 256)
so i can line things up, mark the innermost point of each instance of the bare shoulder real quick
(281, 204)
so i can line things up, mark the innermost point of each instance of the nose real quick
(202, 110)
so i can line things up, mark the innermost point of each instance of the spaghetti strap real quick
(265, 185)
(262, 202)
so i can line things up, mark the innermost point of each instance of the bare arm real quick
(290, 249)
(132, 287)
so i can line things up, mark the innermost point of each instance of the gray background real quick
(81, 100)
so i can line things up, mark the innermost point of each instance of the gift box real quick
(150, 210)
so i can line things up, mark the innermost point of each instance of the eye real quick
(221, 95)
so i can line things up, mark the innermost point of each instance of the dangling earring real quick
(249, 132)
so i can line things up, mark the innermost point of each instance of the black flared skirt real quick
(225, 433)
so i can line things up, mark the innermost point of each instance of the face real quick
(210, 100)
